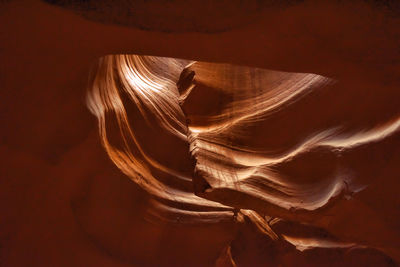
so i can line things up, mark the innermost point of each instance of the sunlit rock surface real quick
(250, 140)
(64, 202)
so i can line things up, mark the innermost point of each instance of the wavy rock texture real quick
(290, 155)
(65, 203)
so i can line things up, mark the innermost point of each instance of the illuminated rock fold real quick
(232, 142)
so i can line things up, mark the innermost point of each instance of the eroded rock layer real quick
(218, 142)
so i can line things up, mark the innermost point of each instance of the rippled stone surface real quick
(65, 203)
(267, 147)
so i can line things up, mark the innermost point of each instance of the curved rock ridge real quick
(135, 98)
(238, 143)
